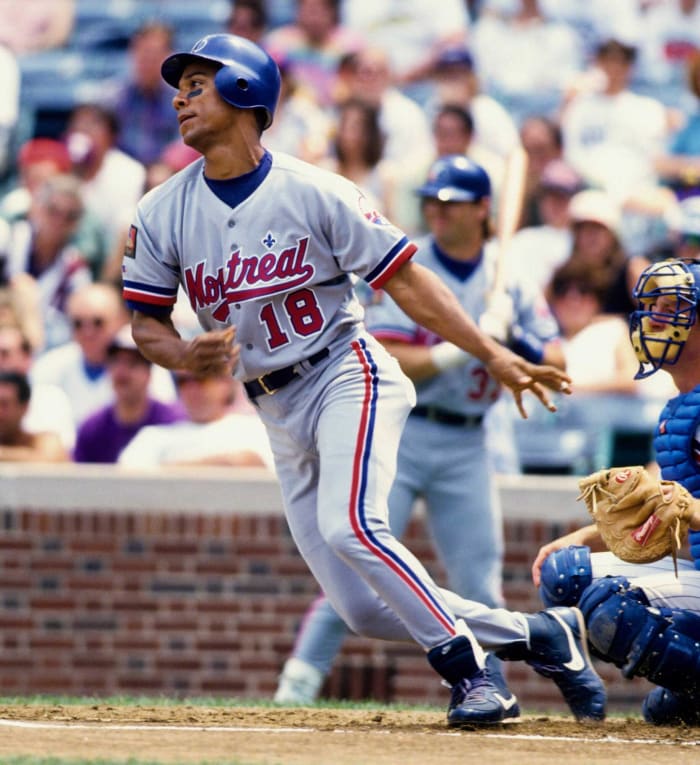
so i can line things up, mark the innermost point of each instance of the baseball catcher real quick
(640, 599)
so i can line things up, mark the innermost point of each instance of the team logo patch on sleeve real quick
(373, 216)
(130, 246)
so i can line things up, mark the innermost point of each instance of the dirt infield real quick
(267, 736)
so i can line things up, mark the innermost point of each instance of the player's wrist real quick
(445, 356)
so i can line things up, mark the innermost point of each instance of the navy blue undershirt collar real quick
(233, 191)
(460, 269)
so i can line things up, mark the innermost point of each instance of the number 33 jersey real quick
(274, 259)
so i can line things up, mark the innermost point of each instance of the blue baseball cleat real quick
(478, 702)
(479, 695)
(558, 650)
(661, 707)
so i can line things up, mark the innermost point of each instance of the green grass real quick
(201, 701)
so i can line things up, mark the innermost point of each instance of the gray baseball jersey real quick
(275, 266)
(274, 260)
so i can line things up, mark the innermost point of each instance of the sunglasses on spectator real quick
(693, 240)
(95, 322)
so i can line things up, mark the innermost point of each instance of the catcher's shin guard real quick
(565, 575)
(662, 645)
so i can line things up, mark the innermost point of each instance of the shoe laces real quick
(475, 688)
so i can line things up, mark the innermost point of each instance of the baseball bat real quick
(510, 207)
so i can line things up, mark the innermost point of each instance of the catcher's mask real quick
(667, 295)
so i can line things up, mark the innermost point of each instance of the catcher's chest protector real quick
(673, 444)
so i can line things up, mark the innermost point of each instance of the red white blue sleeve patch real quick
(139, 292)
(390, 264)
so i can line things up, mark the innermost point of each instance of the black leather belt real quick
(272, 382)
(435, 414)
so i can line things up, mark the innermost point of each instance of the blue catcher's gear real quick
(667, 295)
(662, 707)
(662, 645)
(565, 574)
(557, 649)
(248, 77)
(455, 178)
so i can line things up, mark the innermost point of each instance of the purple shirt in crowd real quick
(101, 438)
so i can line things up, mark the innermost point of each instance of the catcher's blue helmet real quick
(456, 178)
(668, 296)
(248, 77)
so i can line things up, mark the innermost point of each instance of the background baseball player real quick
(442, 454)
(659, 635)
(263, 245)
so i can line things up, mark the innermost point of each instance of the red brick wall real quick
(204, 603)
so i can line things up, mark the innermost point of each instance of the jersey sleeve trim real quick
(139, 292)
(157, 311)
(390, 264)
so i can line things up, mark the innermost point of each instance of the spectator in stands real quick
(104, 434)
(10, 81)
(248, 19)
(413, 33)
(456, 82)
(670, 34)
(365, 76)
(301, 127)
(524, 59)
(613, 136)
(79, 367)
(684, 228)
(212, 435)
(679, 167)
(144, 98)
(358, 154)
(112, 181)
(543, 142)
(16, 443)
(596, 223)
(41, 246)
(37, 25)
(49, 407)
(538, 250)
(313, 45)
(37, 160)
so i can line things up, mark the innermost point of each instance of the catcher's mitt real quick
(640, 518)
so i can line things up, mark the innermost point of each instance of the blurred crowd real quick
(603, 97)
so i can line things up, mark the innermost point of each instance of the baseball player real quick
(659, 636)
(263, 245)
(442, 454)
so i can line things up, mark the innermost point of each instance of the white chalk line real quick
(47, 725)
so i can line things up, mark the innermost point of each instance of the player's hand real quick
(518, 374)
(212, 353)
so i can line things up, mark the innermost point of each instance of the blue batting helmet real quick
(456, 178)
(248, 77)
(667, 294)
